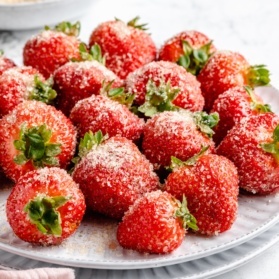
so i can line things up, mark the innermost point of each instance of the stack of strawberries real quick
(159, 139)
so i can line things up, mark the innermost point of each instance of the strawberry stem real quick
(273, 147)
(258, 75)
(42, 212)
(183, 213)
(205, 122)
(94, 53)
(67, 28)
(158, 98)
(193, 60)
(134, 23)
(33, 145)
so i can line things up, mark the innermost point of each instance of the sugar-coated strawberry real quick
(23, 83)
(232, 106)
(35, 135)
(113, 175)
(50, 49)
(75, 81)
(5, 63)
(156, 223)
(252, 145)
(177, 133)
(163, 85)
(190, 49)
(45, 206)
(210, 183)
(112, 118)
(227, 69)
(126, 46)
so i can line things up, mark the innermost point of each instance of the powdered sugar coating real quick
(34, 113)
(75, 81)
(172, 49)
(233, 105)
(126, 48)
(16, 85)
(49, 50)
(112, 118)
(5, 64)
(224, 69)
(150, 226)
(189, 95)
(172, 134)
(258, 170)
(113, 176)
(211, 189)
(45, 182)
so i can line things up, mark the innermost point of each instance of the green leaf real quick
(183, 213)
(258, 75)
(52, 149)
(67, 28)
(158, 98)
(20, 159)
(134, 23)
(95, 53)
(205, 122)
(1, 52)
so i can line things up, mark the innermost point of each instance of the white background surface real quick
(247, 26)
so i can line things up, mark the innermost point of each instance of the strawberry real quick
(126, 47)
(35, 135)
(164, 85)
(252, 145)
(210, 183)
(180, 134)
(156, 223)
(190, 49)
(75, 81)
(50, 49)
(50, 208)
(113, 175)
(232, 106)
(23, 83)
(5, 63)
(112, 118)
(227, 69)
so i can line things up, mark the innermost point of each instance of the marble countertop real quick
(248, 27)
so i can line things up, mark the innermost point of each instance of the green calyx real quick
(67, 28)
(183, 213)
(177, 163)
(34, 146)
(158, 98)
(94, 53)
(258, 75)
(42, 212)
(273, 147)
(193, 60)
(134, 23)
(205, 122)
(256, 106)
(43, 91)
(1, 52)
(87, 143)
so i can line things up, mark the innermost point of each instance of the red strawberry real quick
(112, 118)
(164, 85)
(210, 183)
(126, 46)
(252, 145)
(75, 81)
(113, 175)
(50, 208)
(5, 63)
(23, 83)
(35, 135)
(180, 134)
(232, 106)
(227, 69)
(155, 223)
(50, 49)
(190, 49)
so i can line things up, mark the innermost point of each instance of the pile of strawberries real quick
(159, 139)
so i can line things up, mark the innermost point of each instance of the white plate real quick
(29, 15)
(95, 245)
(206, 267)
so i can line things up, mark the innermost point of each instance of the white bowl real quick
(30, 15)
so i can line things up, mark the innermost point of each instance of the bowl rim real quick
(29, 4)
